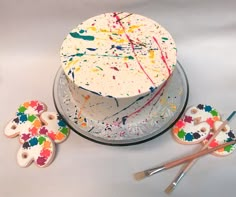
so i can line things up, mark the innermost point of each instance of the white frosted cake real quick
(116, 64)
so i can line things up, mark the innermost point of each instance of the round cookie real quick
(32, 107)
(39, 149)
(225, 135)
(24, 125)
(195, 124)
(55, 127)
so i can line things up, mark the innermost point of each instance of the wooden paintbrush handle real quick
(196, 155)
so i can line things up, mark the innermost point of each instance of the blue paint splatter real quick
(152, 89)
(23, 118)
(208, 108)
(92, 49)
(189, 137)
(33, 141)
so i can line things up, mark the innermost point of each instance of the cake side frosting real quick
(118, 50)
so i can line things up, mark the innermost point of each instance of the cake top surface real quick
(118, 54)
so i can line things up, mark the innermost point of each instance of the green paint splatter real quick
(130, 57)
(164, 38)
(214, 113)
(22, 109)
(41, 139)
(175, 48)
(228, 148)
(31, 118)
(81, 31)
(181, 134)
(79, 54)
(64, 130)
(77, 35)
(99, 67)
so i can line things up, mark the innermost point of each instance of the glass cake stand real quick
(160, 119)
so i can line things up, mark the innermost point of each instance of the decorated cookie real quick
(24, 125)
(195, 125)
(55, 127)
(225, 135)
(32, 107)
(39, 149)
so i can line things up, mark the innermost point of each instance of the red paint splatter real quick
(33, 103)
(33, 131)
(214, 143)
(139, 91)
(132, 46)
(43, 130)
(39, 108)
(180, 124)
(166, 55)
(149, 101)
(52, 135)
(162, 55)
(114, 77)
(210, 121)
(45, 153)
(114, 68)
(25, 136)
(127, 66)
(41, 161)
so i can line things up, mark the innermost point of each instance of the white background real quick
(31, 33)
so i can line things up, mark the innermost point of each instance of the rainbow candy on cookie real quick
(196, 124)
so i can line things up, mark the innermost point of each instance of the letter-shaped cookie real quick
(24, 125)
(55, 127)
(195, 125)
(39, 149)
(225, 135)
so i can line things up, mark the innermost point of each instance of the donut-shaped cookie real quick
(39, 149)
(225, 135)
(24, 125)
(32, 107)
(195, 124)
(55, 127)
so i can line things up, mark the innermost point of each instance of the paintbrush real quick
(147, 173)
(187, 167)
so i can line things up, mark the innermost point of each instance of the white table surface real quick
(31, 33)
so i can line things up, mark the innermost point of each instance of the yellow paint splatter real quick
(151, 56)
(104, 30)
(133, 27)
(92, 28)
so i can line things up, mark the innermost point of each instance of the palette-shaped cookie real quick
(225, 135)
(38, 149)
(196, 124)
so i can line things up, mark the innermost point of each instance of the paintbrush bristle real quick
(170, 188)
(140, 175)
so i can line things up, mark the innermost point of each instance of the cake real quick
(116, 65)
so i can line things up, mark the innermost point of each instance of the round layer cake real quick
(117, 64)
